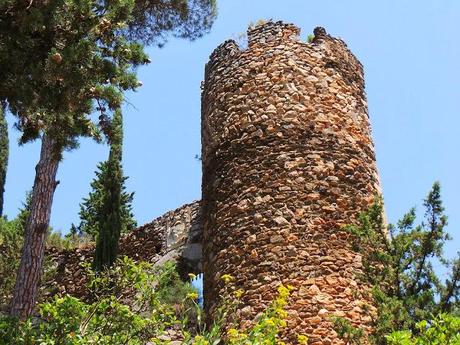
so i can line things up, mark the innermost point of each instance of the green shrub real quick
(11, 241)
(135, 303)
(10, 255)
(130, 305)
(442, 330)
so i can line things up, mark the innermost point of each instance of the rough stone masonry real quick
(175, 236)
(288, 160)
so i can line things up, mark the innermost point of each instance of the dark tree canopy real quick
(155, 20)
(66, 59)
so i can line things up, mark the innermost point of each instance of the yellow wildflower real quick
(302, 339)
(200, 340)
(283, 291)
(227, 278)
(281, 313)
(270, 322)
(192, 295)
(232, 333)
(238, 293)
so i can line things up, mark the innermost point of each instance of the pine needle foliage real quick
(66, 59)
(155, 20)
(399, 263)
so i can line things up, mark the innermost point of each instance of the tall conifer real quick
(93, 209)
(3, 155)
(111, 217)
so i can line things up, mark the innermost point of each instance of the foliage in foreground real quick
(107, 320)
(442, 330)
(135, 303)
(398, 264)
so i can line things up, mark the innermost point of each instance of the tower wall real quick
(287, 160)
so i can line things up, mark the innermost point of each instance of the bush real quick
(135, 303)
(11, 233)
(130, 306)
(442, 330)
(11, 241)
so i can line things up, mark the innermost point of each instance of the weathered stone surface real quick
(177, 236)
(287, 160)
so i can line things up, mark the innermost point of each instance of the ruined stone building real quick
(288, 160)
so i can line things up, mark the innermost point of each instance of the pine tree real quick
(64, 57)
(3, 155)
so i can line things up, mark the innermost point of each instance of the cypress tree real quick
(112, 214)
(91, 209)
(92, 212)
(3, 155)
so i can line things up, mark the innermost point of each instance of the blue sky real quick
(410, 51)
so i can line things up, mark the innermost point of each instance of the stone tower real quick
(287, 160)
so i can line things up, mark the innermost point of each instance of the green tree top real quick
(66, 59)
(93, 209)
(399, 263)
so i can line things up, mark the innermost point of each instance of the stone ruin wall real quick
(287, 159)
(176, 235)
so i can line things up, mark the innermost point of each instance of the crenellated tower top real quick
(288, 159)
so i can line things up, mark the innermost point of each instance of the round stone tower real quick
(288, 160)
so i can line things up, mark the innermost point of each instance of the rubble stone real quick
(287, 160)
(176, 236)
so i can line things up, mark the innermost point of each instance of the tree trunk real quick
(30, 268)
(3, 155)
